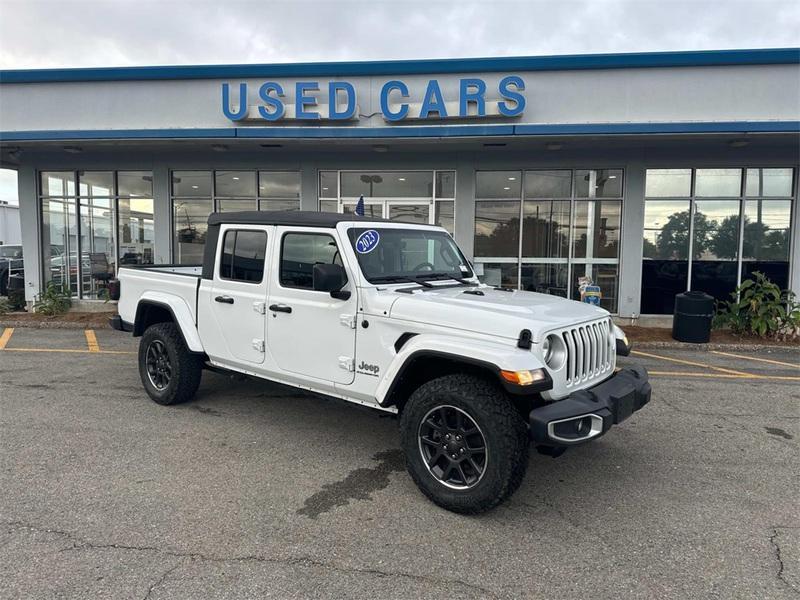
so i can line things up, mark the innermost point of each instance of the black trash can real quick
(16, 291)
(692, 319)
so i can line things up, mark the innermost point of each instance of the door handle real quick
(280, 308)
(224, 299)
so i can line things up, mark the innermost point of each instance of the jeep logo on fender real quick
(367, 369)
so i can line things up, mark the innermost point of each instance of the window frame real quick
(432, 200)
(235, 231)
(261, 203)
(75, 201)
(283, 237)
(741, 199)
(575, 266)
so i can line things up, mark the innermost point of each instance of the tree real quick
(774, 247)
(502, 241)
(673, 241)
(759, 243)
(649, 249)
(725, 243)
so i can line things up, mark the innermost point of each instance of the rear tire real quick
(170, 373)
(443, 426)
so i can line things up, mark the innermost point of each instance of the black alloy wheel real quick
(159, 368)
(465, 442)
(453, 447)
(169, 371)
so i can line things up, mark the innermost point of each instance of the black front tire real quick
(170, 372)
(463, 397)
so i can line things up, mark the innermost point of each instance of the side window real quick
(300, 252)
(243, 254)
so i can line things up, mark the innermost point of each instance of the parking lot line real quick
(764, 360)
(91, 340)
(726, 376)
(692, 374)
(69, 350)
(692, 363)
(9, 331)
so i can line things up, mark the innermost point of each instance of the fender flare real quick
(491, 356)
(181, 315)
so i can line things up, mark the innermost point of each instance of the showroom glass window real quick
(766, 235)
(426, 197)
(196, 194)
(542, 230)
(709, 229)
(92, 222)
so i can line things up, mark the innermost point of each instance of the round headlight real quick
(554, 351)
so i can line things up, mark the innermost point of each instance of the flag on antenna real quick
(360, 206)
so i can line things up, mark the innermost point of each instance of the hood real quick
(496, 312)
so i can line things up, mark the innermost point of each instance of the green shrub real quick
(54, 300)
(5, 305)
(759, 307)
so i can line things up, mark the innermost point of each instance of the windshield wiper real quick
(443, 275)
(401, 279)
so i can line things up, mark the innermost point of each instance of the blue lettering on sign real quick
(478, 87)
(514, 96)
(302, 100)
(234, 115)
(507, 100)
(433, 101)
(367, 241)
(334, 87)
(277, 105)
(387, 112)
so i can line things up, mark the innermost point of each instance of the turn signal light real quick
(523, 377)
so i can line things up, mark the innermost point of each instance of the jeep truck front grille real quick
(590, 351)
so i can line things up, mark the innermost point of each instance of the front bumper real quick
(588, 414)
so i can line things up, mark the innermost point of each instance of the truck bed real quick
(156, 283)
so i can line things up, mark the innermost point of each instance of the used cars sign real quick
(342, 101)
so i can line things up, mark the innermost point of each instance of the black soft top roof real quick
(299, 218)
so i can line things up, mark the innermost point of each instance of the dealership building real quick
(650, 173)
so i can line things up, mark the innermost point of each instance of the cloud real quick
(90, 33)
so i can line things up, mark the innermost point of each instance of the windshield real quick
(10, 251)
(389, 254)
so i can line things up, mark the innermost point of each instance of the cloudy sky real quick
(96, 33)
(88, 33)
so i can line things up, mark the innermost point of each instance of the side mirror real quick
(329, 278)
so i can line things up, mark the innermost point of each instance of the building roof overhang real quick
(570, 62)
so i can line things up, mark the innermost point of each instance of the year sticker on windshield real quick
(367, 241)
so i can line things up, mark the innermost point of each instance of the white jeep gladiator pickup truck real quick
(391, 316)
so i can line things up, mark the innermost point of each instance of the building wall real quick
(633, 112)
(606, 96)
(634, 156)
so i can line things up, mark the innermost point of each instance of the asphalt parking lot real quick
(256, 491)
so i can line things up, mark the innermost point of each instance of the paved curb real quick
(711, 346)
(52, 325)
